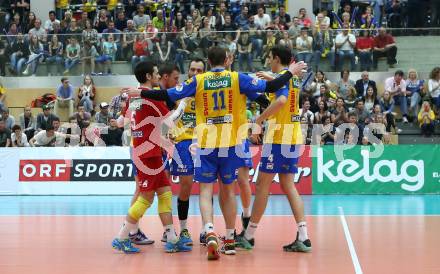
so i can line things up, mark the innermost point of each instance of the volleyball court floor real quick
(350, 234)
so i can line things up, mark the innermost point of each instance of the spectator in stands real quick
(363, 84)
(113, 136)
(55, 56)
(364, 46)
(256, 36)
(140, 51)
(386, 139)
(370, 99)
(65, 23)
(314, 89)
(90, 34)
(128, 39)
(151, 33)
(87, 93)
(35, 56)
(387, 104)
(101, 22)
(304, 20)
(46, 118)
(345, 85)
(38, 31)
(162, 50)
(328, 137)
(306, 128)
(73, 55)
(82, 117)
(29, 22)
(245, 51)
(345, 44)
(220, 17)
(48, 24)
(277, 24)
(426, 119)
(111, 30)
(396, 86)
(84, 18)
(5, 135)
(7, 118)
(228, 27)
(3, 57)
(321, 20)
(121, 21)
(284, 16)
(89, 55)
(12, 33)
(103, 116)
(108, 55)
(116, 104)
(322, 112)
(64, 96)
(61, 7)
(49, 138)
(262, 19)
(384, 46)
(416, 90)
(242, 21)
(268, 44)
(339, 114)
(28, 123)
(286, 41)
(211, 17)
(57, 31)
(305, 112)
(434, 88)
(140, 19)
(304, 46)
(361, 112)
(182, 49)
(73, 31)
(231, 48)
(18, 138)
(196, 18)
(322, 44)
(20, 53)
(295, 28)
(179, 21)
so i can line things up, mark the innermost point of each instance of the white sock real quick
(250, 231)
(246, 212)
(171, 234)
(209, 227)
(230, 234)
(135, 229)
(125, 229)
(183, 224)
(302, 229)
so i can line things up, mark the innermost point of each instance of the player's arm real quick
(178, 112)
(274, 107)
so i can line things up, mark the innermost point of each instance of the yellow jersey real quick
(185, 125)
(284, 127)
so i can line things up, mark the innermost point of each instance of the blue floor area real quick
(278, 205)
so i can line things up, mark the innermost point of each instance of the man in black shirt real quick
(46, 118)
(5, 135)
(114, 134)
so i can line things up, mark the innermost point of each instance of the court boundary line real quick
(354, 257)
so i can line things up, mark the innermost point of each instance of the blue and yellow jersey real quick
(220, 105)
(186, 124)
(284, 127)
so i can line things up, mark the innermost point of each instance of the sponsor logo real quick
(75, 170)
(254, 81)
(212, 84)
(382, 171)
(269, 166)
(219, 120)
(179, 87)
(189, 81)
(295, 118)
(137, 134)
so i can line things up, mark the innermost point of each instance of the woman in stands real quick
(86, 94)
(364, 46)
(339, 114)
(370, 99)
(29, 22)
(345, 84)
(322, 112)
(162, 51)
(140, 50)
(387, 103)
(417, 88)
(434, 89)
(426, 119)
(36, 55)
(196, 18)
(108, 55)
(89, 34)
(55, 53)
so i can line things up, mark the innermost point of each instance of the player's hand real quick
(131, 91)
(256, 133)
(298, 68)
(264, 75)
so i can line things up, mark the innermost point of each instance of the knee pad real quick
(165, 202)
(138, 209)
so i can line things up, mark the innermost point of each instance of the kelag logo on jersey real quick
(217, 83)
(75, 170)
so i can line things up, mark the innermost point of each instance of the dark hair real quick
(64, 79)
(56, 119)
(283, 53)
(168, 69)
(352, 114)
(434, 72)
(198, 60)
(399, 72)
(142, 69)
(325, 105)
(16, 127)
(49, 127)
(344, 70)
(323, 118)
(51, 12)
(217, 56)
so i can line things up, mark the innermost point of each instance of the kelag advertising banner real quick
(400, 169)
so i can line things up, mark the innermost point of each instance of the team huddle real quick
(210, 144)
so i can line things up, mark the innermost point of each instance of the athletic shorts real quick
(152, 182)
(247, 160)
(220, 163)
(273, 161)
(186, 166)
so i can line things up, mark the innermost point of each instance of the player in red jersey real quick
(146, 117)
